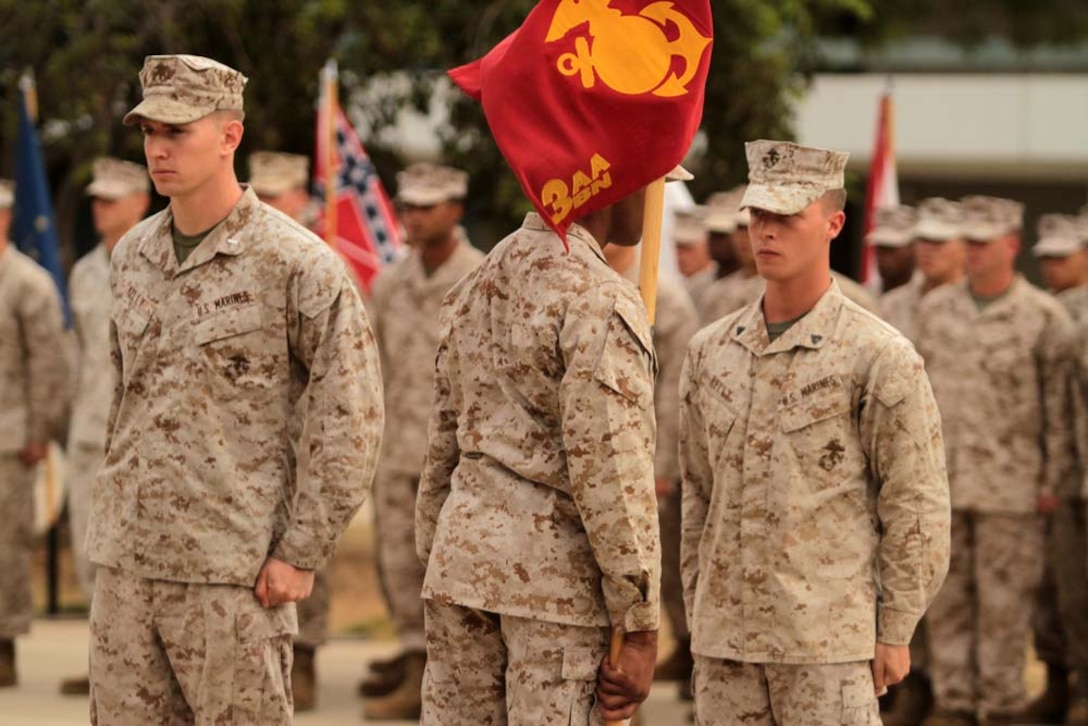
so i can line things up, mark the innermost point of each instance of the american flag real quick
(367, 235)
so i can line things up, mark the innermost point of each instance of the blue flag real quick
(33, 229)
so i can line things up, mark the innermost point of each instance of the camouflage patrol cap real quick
(272, 173)
(426, 184)
(988, 218)
(724, 213)
(689, 226)
(1060, 235)
(784, 177)
(114, 179)
(893, 226)
(180, 89)
(939, 220)
(7, 194)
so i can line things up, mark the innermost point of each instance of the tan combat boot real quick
(7, 664)
(76, 686)
(1051, 705)
(304, 679)
(383, 678)
(405, 703)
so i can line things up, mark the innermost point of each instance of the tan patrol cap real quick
(272, 173)
(427, 184)
(114, 179)
(893, 226)
(987, 218)
(784, 177)
(724, 214)
(679, 173)
(689, 226)
(180, 89)
(939, 220)
(1060, 235)
(7, 194)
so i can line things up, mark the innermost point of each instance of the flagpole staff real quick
(331, 91)
(649, 263)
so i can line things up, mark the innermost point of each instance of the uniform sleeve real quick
(118, 362)
(47, 361)
(1055, 355)
(698, 481)
(340, 412)
(443, 451)
(676, 324)
(901, 432)
(607, 419)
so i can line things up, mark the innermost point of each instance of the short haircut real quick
(834, 200)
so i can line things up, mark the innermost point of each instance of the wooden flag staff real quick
(647, 285)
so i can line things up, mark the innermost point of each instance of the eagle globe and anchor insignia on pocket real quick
(817, 424)
(229, 346)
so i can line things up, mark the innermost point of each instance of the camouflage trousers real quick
(399, 567)
(486, 669)
(313, 612)
(980, 620)
(16, 545)
(1061, 617)
(83, 463)
(179, 653)
(765, 694)
(672, 588)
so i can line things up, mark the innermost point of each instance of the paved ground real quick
(56, 649)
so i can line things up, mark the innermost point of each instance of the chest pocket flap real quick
(820, 406)
(227, 324)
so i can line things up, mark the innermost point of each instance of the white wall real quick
(1004, 125)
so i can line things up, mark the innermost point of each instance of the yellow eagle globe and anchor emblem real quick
(631, 54)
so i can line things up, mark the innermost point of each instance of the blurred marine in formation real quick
(999, 354)
(244, 429)
(33, 379)
(120, 197)
(405, 304)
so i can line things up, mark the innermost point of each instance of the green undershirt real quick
(775, 330)
(184, 244)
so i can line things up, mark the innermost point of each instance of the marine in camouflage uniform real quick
(536, 515)
(406, 302)
(33, 382)
(815, 498)
(892, 242)
(244, 429)
(744, 285)
(998, 352)
(675, 323)
(1061, 616)
(119, 194)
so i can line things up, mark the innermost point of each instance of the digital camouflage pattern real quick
(145, 670)
(756, 694)
(724, 298)
(810, 464)
(313, 612)
(784, 177)
(399, 567)
(116, 178)
(1001, 376)
(89, 292)
(899, 307)
(537, 496)
(247, 417)
(180, 89)
(486, 669)
(33, 362)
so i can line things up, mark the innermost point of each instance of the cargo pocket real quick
(859, 705)
(580, 666)
(627, 365)
(262, 667)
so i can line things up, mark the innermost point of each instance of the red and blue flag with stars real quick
(367, 234)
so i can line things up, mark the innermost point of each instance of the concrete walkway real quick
(58, 648)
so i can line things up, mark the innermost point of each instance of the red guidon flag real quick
(591, 100)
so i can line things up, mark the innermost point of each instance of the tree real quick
(87, 53)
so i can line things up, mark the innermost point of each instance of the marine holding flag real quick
(536, 514)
